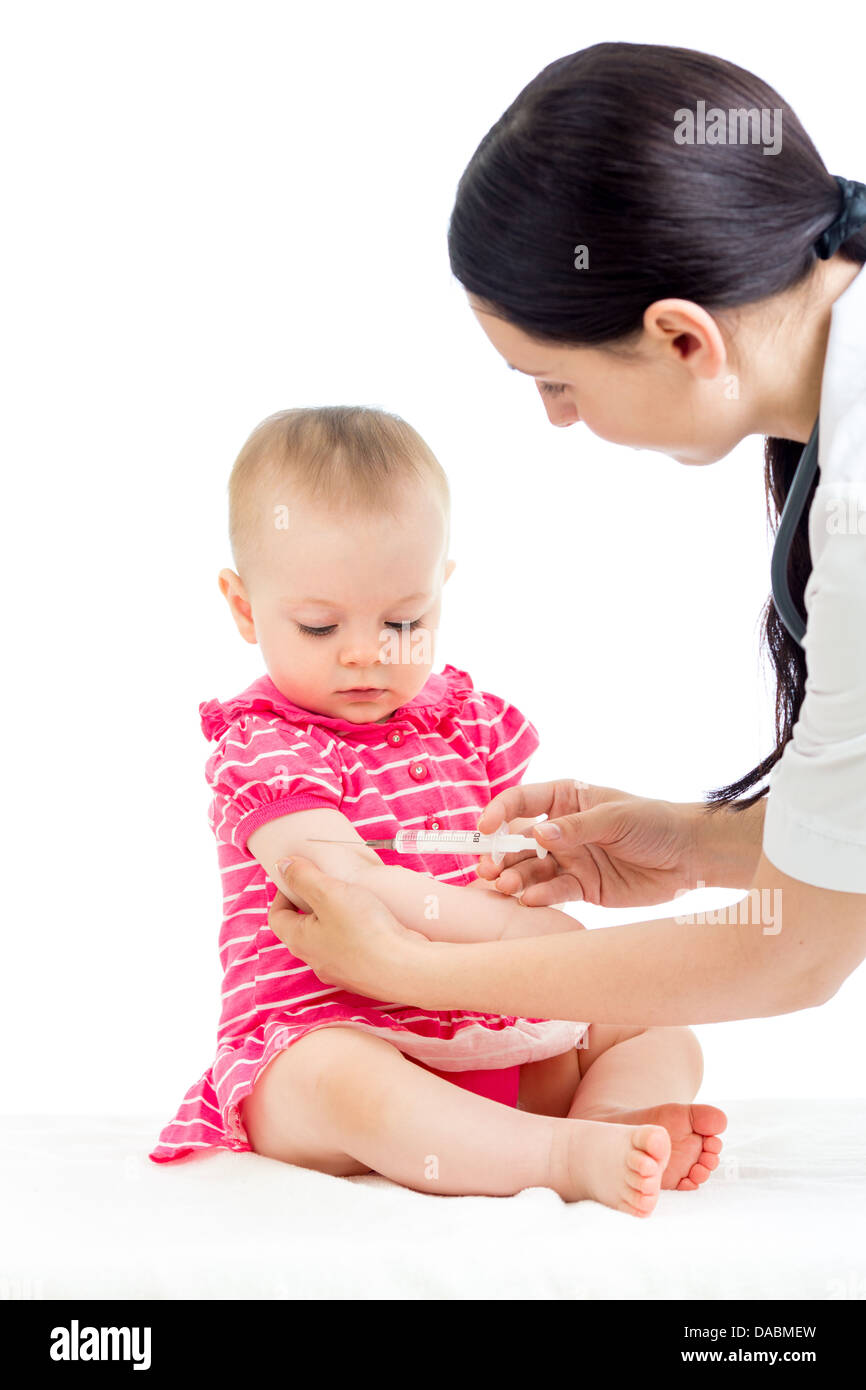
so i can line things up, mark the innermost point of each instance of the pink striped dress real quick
(435, 763)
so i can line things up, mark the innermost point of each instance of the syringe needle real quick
(371, 844)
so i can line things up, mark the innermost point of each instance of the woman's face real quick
(676, 391)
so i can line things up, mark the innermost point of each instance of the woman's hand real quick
(349, 938)
(613, 848)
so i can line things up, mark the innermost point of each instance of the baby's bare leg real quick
(343, 1101)
(617, 1068)
(548, 1087)
(648, 1075)
(624, 1067)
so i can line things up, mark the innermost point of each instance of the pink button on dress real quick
(438, 760)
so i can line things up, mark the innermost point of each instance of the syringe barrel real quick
(464, 842)
(433, 842)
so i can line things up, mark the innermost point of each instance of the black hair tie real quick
(850, 216)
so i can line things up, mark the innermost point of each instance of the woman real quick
(678, 274)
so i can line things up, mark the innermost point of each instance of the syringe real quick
(458, 842)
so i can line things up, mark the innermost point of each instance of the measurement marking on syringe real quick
(458, 835)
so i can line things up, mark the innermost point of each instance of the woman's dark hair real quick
(586, 155)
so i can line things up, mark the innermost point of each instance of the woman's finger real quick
(563, 888)
(558, 798)
(566, 835)
(514, 878)
(532, 800)
(487, 869)
(281, 907)
(288, 924)
(522, 825)
(305, 880)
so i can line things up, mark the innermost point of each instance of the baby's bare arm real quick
(439, 911)
(448, 912)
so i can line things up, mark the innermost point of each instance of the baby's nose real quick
(362, 652)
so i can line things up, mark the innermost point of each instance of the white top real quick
(815, 821)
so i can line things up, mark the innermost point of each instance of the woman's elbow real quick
(820, 941)
(807, 985)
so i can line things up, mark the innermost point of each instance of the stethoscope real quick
(788, 523)
(850, 217)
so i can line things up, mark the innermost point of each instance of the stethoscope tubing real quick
(788, 523)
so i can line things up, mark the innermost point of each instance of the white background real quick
(217, 211)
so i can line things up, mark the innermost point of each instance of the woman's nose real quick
(561, 414)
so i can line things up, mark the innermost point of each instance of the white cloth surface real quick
(815, 821)
(88, 1215)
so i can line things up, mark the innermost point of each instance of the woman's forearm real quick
(651, 973)
(727, 844)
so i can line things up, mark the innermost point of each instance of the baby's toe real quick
(640, 1164)
(639, 1204)
(698, 1173)
(642, 1187)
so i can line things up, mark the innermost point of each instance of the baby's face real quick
(340, 602)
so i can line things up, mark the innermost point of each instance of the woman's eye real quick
(551, 388)
(407, 623)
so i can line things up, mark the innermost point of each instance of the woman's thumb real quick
(580, 828)
(301, 878)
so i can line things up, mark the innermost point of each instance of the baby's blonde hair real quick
(346, 457)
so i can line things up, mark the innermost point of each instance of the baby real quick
(339, 525)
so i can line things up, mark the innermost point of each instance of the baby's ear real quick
(449, 569)
(235, 595)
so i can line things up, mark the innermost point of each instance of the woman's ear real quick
(235, 595)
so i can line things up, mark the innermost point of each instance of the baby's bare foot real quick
(693, 1130)
(618, 1164)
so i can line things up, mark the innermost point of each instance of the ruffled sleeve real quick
(511, 742)
(263, 769)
